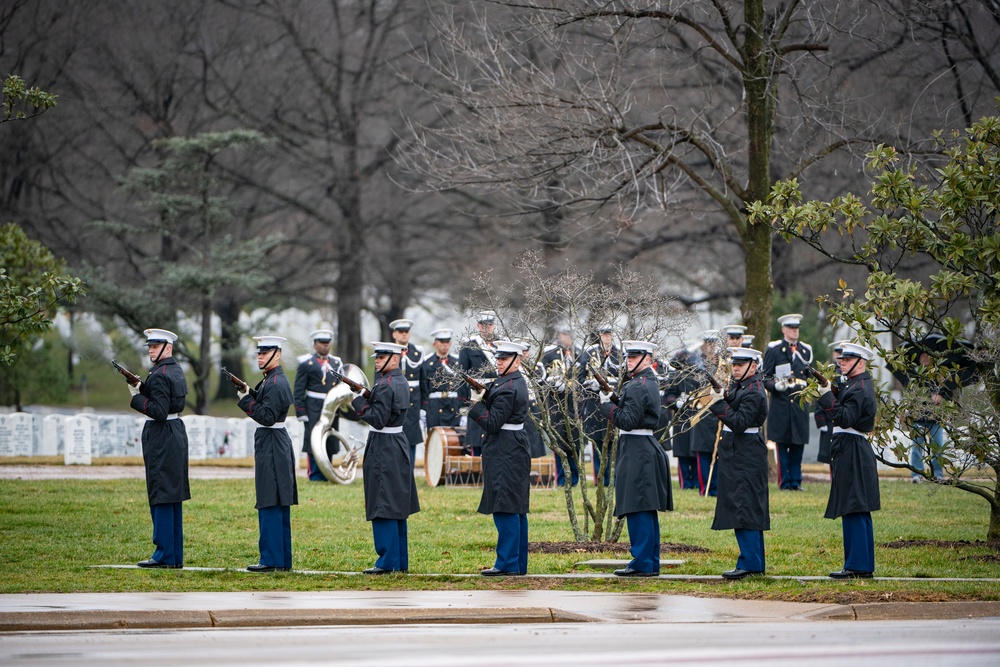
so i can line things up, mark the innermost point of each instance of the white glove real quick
(592, 384)
(559, 386)
(304, 418)
(423, 420)
(681, 401)
(824, 389)
(463, 421)
(476, 396)
(715, 395)
(132, 389)
(240, 393)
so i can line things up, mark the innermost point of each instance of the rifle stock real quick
(130, 377)
(606, 387)
(354, 386)
(824, 381)
(240, 384)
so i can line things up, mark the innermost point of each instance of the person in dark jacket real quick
(506, 460)
(409, 365)
(439, 402)
(604, 357)
(476, 358)
(854, 492)
(706, 433)
(164, 448)
(786, 369)
(561, 361)
(825, 429)
(742, 504)
(642, 471)
(676, 399)
(390, 490)
(313, 381)
(273, 457)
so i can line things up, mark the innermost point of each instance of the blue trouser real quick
(275, 536)
(512, 542)
(390, 544)
(790, 465)
(859, 542)
(315, 474)
(704, 466)
(923, 434)
(168, 533)
(597, 466)
(687, 471)
(751, 550)
(644, 534)
(413, 456)
(574, 471)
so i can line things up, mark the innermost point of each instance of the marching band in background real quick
(717, 435)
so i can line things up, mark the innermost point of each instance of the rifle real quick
(823, 380)
(605, 386)
(240, 384)
(354, 386)
(130, 377)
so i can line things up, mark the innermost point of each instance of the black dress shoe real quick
(266, 568)
(851, 574)
(155, 563)
(629, 572)
(376, 570)
(740, 574)
(493, 572)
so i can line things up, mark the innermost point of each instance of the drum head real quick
(434, 457)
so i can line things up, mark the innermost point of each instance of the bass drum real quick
(442, 442)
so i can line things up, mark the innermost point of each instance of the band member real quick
(506, 460)
(825, 429)
(561, 363)
(677, 401)
(786, 368)
(313, 379)
(748, 341)
(164, 448)
(390, 491)
(439, 402)
(734, 334)
(605, 357)
(642, 477)
(705, 433)
(273, 457)
(536, 446)
(743, 504)
(409, 365)
(854, 492)
(476, 358)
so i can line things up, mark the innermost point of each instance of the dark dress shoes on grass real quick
(740, 574)
(629, 572)
(376, 570)
(266, 568)
(158, 564)
(851, 574)
(493, 572)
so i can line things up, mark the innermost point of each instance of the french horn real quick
(342, 466)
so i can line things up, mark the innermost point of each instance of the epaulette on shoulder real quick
(549, 348)
(303, 358)
(774, 343)
(419, 348)
(805, 345)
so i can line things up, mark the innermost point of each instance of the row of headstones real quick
(80, 438)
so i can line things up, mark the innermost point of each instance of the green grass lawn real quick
(51, 531)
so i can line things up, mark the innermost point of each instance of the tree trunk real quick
(228, 310)
(350, 282)
(201, 383)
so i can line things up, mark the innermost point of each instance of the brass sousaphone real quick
(342, 466)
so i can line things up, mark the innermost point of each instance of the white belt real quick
(413, 383)
(175, 415)
(752, 429)
(274, 425)
(443, 394)
(316, 394)
(512, 427)
(838, 429)
(638, 431)
(388, 429)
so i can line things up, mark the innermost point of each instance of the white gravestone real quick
(6, 437)
(296, 431)
(217, 442)
(78, 440)
(197, 436)
(21, 432)
(36, 435)
(134, 445)
(123, 431)
(52, 435)
(104, 443)
(236, 437)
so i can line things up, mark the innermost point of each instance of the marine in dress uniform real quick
(390, 490)
(502, 414)
(164, 448)
(606, 357)
(273, 457)
(825, 429)
(313, 380)
(439, 401)
(705, 433)
(743, 503)
(854, 492)
(734, 334)
(786, 369)
(476, 358)
(642, 471)
(409, 365)
(676, 400)
(561, 361)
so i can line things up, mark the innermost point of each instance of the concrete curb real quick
(906, 611)
(246, 618)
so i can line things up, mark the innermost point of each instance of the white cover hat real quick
(790, 320)
(321, 334)
(734, 329)
(159, 336)
(638, 347)
(381, 347)
(508, 348)
(486, 316)
(709, 334)
(405, 325)
(267, 342)
(856, 350)
(745, 354)
(442, 334)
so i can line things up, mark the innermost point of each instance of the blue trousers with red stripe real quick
(704, 483)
